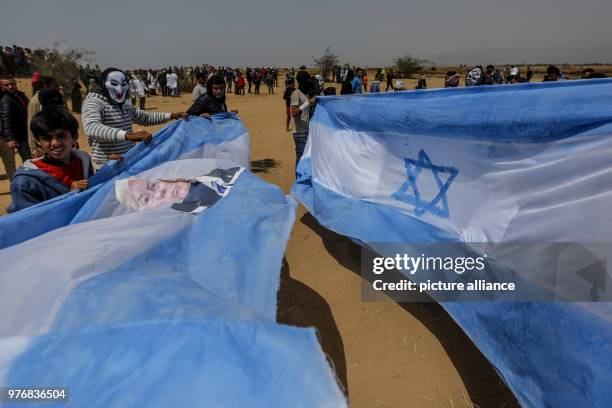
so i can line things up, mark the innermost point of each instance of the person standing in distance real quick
(301, 104)
(13, 124)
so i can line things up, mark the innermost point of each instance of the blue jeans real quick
(300, 144)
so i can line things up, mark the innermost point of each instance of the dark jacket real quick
(13, 116)
(31, 185)
(200, 195)
(347, 88)
(208, 103)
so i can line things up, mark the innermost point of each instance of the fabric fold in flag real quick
(519, 163)
(141, 302)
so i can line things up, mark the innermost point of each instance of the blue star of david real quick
(439, 204)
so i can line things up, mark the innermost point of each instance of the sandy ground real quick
(385, 354)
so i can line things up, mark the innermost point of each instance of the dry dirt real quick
(385, 354)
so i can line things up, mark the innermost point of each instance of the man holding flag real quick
(108, 117)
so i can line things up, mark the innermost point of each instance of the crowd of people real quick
(355, 80)
(510, 75)
(45, 134)
(16, 61)
(172, 81)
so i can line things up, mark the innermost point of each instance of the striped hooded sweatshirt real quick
(106, 125)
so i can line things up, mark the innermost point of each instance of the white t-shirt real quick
(198, 91)
(300, 120)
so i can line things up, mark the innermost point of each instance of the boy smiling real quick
(60, 170)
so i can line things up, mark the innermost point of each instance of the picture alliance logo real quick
(412, 264)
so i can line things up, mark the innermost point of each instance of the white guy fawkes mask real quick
(117, 86)
(474, 77)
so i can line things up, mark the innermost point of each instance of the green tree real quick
(326, 62)
(61, 65)
(408, 66)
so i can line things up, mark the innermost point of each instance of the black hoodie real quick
(48, 97)
(304, 83)
(208, 103)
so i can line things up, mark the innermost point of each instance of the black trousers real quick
(23, 148)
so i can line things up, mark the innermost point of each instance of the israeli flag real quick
(223, 136)
(143, 302)
(516, 163)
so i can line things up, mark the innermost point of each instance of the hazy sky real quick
(154, 33)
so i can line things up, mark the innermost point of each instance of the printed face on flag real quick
(141, 194)
(182, 194)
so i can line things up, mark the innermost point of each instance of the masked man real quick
(108, 117)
